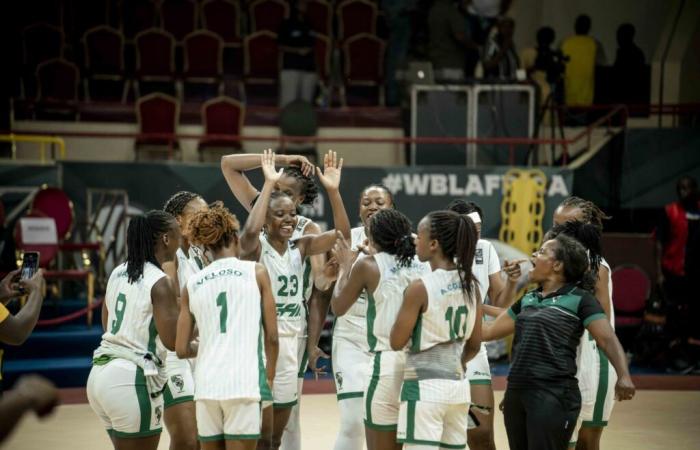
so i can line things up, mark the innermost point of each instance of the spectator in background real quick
(500, 57)
(678, 250)
(629, 64)
(481, 17)
(537, 61)
(584, 53)
(448, 42)
(298, 77)
(15, 329)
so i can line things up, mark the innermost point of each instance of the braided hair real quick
(589, 236)
(214, 228)
(575, 259)
(176, 204)
(308, 187)
(591, 213)
(391, 232)
(141, 238)
(457, 236)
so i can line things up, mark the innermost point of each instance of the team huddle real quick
(210, 326)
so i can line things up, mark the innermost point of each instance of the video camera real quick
(552, 62)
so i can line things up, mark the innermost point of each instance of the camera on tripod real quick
(552, 62)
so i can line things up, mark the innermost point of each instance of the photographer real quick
(500, 57)
(544, 65)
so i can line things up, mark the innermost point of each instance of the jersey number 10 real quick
(456, 321)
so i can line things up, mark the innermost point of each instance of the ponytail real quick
(391, 233)
(457, 237)
(141, 238)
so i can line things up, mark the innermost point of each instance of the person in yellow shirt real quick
(579, 75)
(15, 329)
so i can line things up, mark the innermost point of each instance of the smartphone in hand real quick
(30, 264)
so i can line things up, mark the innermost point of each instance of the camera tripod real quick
(553, 106)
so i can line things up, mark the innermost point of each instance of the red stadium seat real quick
(57, 88)
(53, 202)
(223, 17)
(179, 17)
(319, 16)
(631, 289)
(155, 57)
(267, 15)
(104, 60)
(158, 115)
(356, 17)
(261, 64)
(221, 116)
(364, 63)
(137, 16)
(203, 52)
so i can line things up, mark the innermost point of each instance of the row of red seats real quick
(58, 80)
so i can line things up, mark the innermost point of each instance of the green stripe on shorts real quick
(601, 395)
(347, 395)
(374, 381)
(144, 402)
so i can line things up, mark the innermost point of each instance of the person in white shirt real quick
(441, 317)
(232, 304)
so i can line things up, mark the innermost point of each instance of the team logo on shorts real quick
(339, 379)
(178, 382)
(479, 256)
(159, 414)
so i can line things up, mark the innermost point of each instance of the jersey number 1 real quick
(223, 314)
(119, 308)
(454, 320)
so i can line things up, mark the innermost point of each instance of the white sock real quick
(351, 435)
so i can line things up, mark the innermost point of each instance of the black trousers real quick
(683, 306)
(541, 419)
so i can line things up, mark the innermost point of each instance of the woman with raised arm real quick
(232, 304)
(275, 213)
(139, 315)
(384, 275)
(441, 316)
(542, 401)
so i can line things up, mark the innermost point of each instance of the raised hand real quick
(343, 253)
(267, 162)
(330, 177)
(512, 269)
(9, 287)
(35, 283)
(303, 163)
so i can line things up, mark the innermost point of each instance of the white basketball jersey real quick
(449, 316)
(384, 303)
(353, 324)
(287, 277)
(302, 222)
(226, 304)
(130, 322)
(485, 264)
(186, 267)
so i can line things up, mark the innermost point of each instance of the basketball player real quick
(139, 312)
(179, 417)
(439, 315)
(232, 304)
(275, 214)
(384, 275)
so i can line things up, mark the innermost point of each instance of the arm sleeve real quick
(589, 310)
(4, 313)
(494, 263)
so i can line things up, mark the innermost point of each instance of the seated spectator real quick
(500, 57)
(629, 64)
(448, 42)
(584, 53)
(298, 77)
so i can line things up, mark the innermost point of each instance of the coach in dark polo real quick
(542, 401)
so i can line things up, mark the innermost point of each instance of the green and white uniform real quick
(230, 381)
(351, 356)
(308, 285)
(596, 376)
(180, 385)
(127, 377)
(381, 397)
(287, 277)
(435, 393)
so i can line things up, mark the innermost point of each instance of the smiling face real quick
(292, 187)
(372, 200)
(281, 218)
(425, 245)
(544, 262)
(565, 214)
